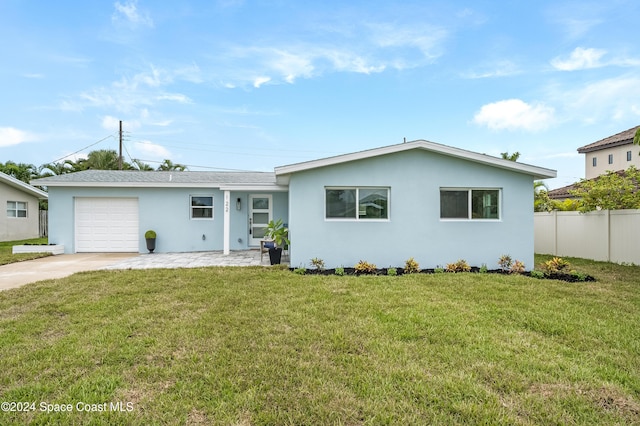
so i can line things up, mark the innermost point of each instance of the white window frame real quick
(191, 206)
(357, 217)
(470, 217)
(16, 209)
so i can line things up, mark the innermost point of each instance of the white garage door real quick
(106, 225)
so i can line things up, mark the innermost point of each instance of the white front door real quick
(260, 209)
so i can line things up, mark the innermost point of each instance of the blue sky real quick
(251, 85)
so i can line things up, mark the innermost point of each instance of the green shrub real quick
(537, 274)
(438, 270)
(392, 272)
(150, 234)
(484, 269)
(339, 271)
(411, 266)
(300, 271)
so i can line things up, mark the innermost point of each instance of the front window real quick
(610, 158)
(628, 155)
(357, 203)
(201, 207)
(16, 209)
(594, 161)
(475, 204)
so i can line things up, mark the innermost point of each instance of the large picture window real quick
(357, 203)
(16, 209)
(472, 204)
(201, 207)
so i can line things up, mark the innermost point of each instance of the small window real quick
(475, 204)
(357, 203)
(201, 207)
(628, 155)
(16, 209)
(594, 161)
(610, 158)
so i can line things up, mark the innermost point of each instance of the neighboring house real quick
(418, 199)
(614, 153)
(21, 219)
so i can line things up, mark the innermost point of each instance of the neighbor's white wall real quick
(607, 235)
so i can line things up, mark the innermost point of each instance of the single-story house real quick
(21, 220)
(418, 199)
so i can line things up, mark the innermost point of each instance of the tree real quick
(168, 165)
(21, 171)
(611, 191)
(510, 157)
(139, 165)
(636, 138)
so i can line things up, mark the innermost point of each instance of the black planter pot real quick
(275, 255)
(151, 244)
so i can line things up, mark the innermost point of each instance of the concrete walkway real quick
(192, 260)
(18, 274)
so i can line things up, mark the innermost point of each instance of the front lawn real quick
(6, 248)
(254, 346)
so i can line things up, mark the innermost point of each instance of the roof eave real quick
(283, 172)
(25, 187)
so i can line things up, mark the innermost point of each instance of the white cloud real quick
(580, 58)
(512, 114)
(259, 81)
(175, 97)
(503, 68)
(128, 12)
(11, 136)
(610, 99)
(150, 149)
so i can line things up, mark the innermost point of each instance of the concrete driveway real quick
(18, 274)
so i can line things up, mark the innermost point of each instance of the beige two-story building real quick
(613, 153)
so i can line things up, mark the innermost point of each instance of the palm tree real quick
(139, 165)
(510, 157)
(56, 169)
(168, 166)
(21, 171)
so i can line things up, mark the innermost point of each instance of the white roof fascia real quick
(132, 185)
(257, 187)
(223, 187)
(25, 187)
(537, 172)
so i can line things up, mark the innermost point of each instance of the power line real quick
(80, 150)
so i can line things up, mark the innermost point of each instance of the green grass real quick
(7, 257)
(254, 346)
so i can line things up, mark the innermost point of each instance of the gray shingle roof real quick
(174, 178)
(622, 138)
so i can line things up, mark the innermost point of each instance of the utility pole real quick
(120, 154)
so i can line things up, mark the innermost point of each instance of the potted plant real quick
(278, 233)
(150, 236)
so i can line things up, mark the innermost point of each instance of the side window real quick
(470, 204)
(16, 209)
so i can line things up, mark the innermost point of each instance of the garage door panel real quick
(106, 225)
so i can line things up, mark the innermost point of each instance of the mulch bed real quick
(400, 271)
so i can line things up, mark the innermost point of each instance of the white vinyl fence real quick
(609, 235)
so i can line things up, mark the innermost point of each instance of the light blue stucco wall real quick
(167, 211)
(414, 228)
